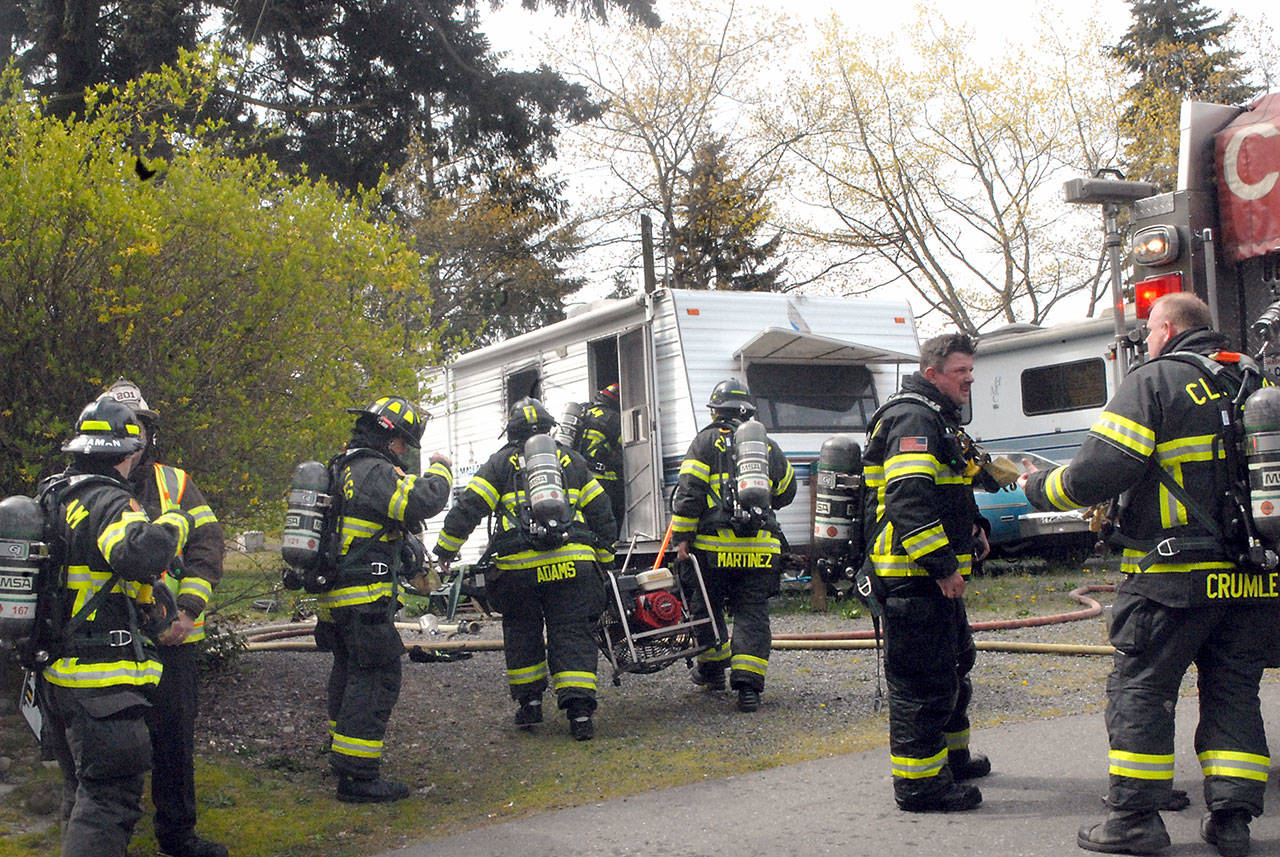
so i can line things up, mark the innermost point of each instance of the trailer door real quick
(639, 444)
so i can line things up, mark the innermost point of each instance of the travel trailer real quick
(816, 366)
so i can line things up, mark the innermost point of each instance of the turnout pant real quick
(928, 653)
(99, 738)
(1154, 646)
(567, 607)
(364, 684)
(744, 594)
(172, 722)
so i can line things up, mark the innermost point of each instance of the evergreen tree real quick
(714, 247)
(1176, 50)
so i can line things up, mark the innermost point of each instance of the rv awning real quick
(782, 345)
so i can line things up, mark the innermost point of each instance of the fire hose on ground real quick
(284, 636)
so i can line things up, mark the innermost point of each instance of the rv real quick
(815, 365)
(1039, 389)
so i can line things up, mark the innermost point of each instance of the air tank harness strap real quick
(1167, 548)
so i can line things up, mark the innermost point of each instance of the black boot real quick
(1125, 833)
(351, 790)
(192, 846)
(708, 676)
(954, 798)
(1227, 830)
(965, 765)
(530, 711)
(748, 699)
(580, 725)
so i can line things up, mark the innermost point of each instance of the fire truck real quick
(1217, 234)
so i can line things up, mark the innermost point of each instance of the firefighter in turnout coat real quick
(601, 446)
(95, 693)
(923, 538)
(382, 505)
(1159, 445)
(739, 566)
(540, 580)
(172, 717)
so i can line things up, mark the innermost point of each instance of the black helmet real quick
(106, 427)
(731, 398)
(395, 415)
(128, 393)
(528, 417)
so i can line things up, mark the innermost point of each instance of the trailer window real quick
(808, 398)
(522, 383)
(1064, 387)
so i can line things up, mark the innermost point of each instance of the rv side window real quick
(523, 382)
(1064, 387)
(812, 398)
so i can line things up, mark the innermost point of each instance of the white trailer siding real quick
(696, 339)
(1076, 362)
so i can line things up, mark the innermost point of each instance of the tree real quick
(1176, 50)
(720, 213)
(240, 299)
(690, 88)
(940, 171)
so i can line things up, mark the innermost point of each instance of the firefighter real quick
(601, 445)
(739, 563)
(540, 580)
(923, 536)
(95, 693)
(1177, 604)
(172, 717)
(381, 506)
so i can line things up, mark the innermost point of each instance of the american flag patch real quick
(913, 444)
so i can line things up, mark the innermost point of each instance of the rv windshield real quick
(807, 398)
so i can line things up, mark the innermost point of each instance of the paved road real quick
(1048, 780)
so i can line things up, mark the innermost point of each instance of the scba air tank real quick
(751, 466)
(1262, 451)
(309, 502)
(21, 554)
(548, 499)
(837, 510)
(570, 425)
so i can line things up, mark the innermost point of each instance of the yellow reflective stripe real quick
(873, 475)
(925, 541)
(69, 672)
(604, 556)
(724, 540)
(957, 740)
(1125, 433)
(171, 484)
(950, 477)
(361, 748)
(683, 524)
(899, 565)
(910, 464)
(574, 678)
(696, 469)
(1056, 493)
(95, 425)
(350, 596)
(785, 480)
(715, 654)
(589, 492)
(178, 521)
(400, 498)
(195, 586)
(1141, 766)
(749, 663)
(532, 558)
(202, 515)
(912, 768)
(113, 533)
(1228, 763)
(485, 491)
(527, 675)
(450, 544)
(1129, 565)
(439, 468)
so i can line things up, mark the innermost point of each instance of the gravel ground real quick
(815, 702)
